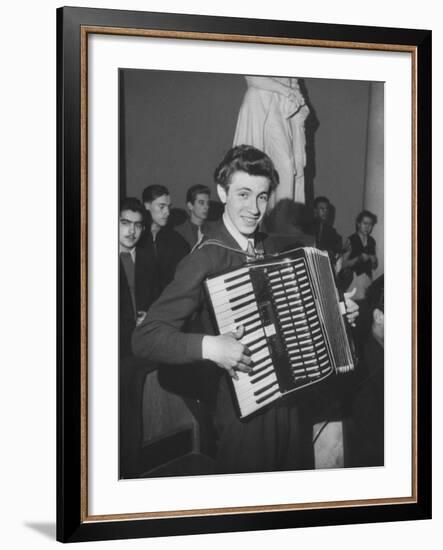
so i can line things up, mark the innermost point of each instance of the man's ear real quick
(378, 316)
(189, 205)
(222, 193)
(147, 206)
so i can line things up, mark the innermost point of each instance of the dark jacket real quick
(145, 294)
(366, 423)
(326, 237)
(358, 248)
(167, 250)
(189, 231)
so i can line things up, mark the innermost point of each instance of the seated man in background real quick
(197, 203)
(163, 244)
(137, 286)
(326, 237)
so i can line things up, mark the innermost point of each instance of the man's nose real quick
(253, 206)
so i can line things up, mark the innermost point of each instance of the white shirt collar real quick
(235, 233)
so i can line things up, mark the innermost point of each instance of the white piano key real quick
(228, 307)
(247, 398)
(257, 379)
(252, 323)
(235, 304)
(270, 391)
(251, 337)
(254, 348)
(215, 290)
(235, 315)
(225, 297)
(259, 388)
(256, 357)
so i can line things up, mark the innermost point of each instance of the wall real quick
(178, 125)
(338, 153)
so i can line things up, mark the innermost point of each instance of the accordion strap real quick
(221, 244)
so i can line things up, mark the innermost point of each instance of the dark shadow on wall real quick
(311, 126)
(177, 217)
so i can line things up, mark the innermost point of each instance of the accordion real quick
(293, 320)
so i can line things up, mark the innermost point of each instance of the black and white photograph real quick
(251, 273)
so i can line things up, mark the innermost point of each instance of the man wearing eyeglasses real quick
(136, 273)
(137, 292)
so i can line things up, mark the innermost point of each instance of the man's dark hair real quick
(366, 214)
(132, 204)
(248, 159)
(193, 191)
(318, 200)
(153, 192)
(375, 295)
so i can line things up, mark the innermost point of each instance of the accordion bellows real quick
(294, 326)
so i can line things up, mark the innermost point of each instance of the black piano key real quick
(266, 397)
(265, 388)
(257, 341)
(237, 285)
(234, 277)
(250, 326)
(240, 297)
(254, 349)
(256, 371)
(264, 362)
(245, 317)
(242, 305)
(262, 377)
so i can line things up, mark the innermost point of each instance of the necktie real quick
(129, 267)
(251, 251)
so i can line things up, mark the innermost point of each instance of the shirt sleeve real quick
(160, 336)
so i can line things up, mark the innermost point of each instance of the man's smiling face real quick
(245, 199)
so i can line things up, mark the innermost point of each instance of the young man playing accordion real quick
(274, 438)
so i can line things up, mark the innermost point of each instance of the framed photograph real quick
(244, 219)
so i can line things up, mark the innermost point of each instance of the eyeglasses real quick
(138, 226)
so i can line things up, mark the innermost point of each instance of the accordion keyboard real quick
(278, 307)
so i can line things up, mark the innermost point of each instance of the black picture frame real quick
(73, 522)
